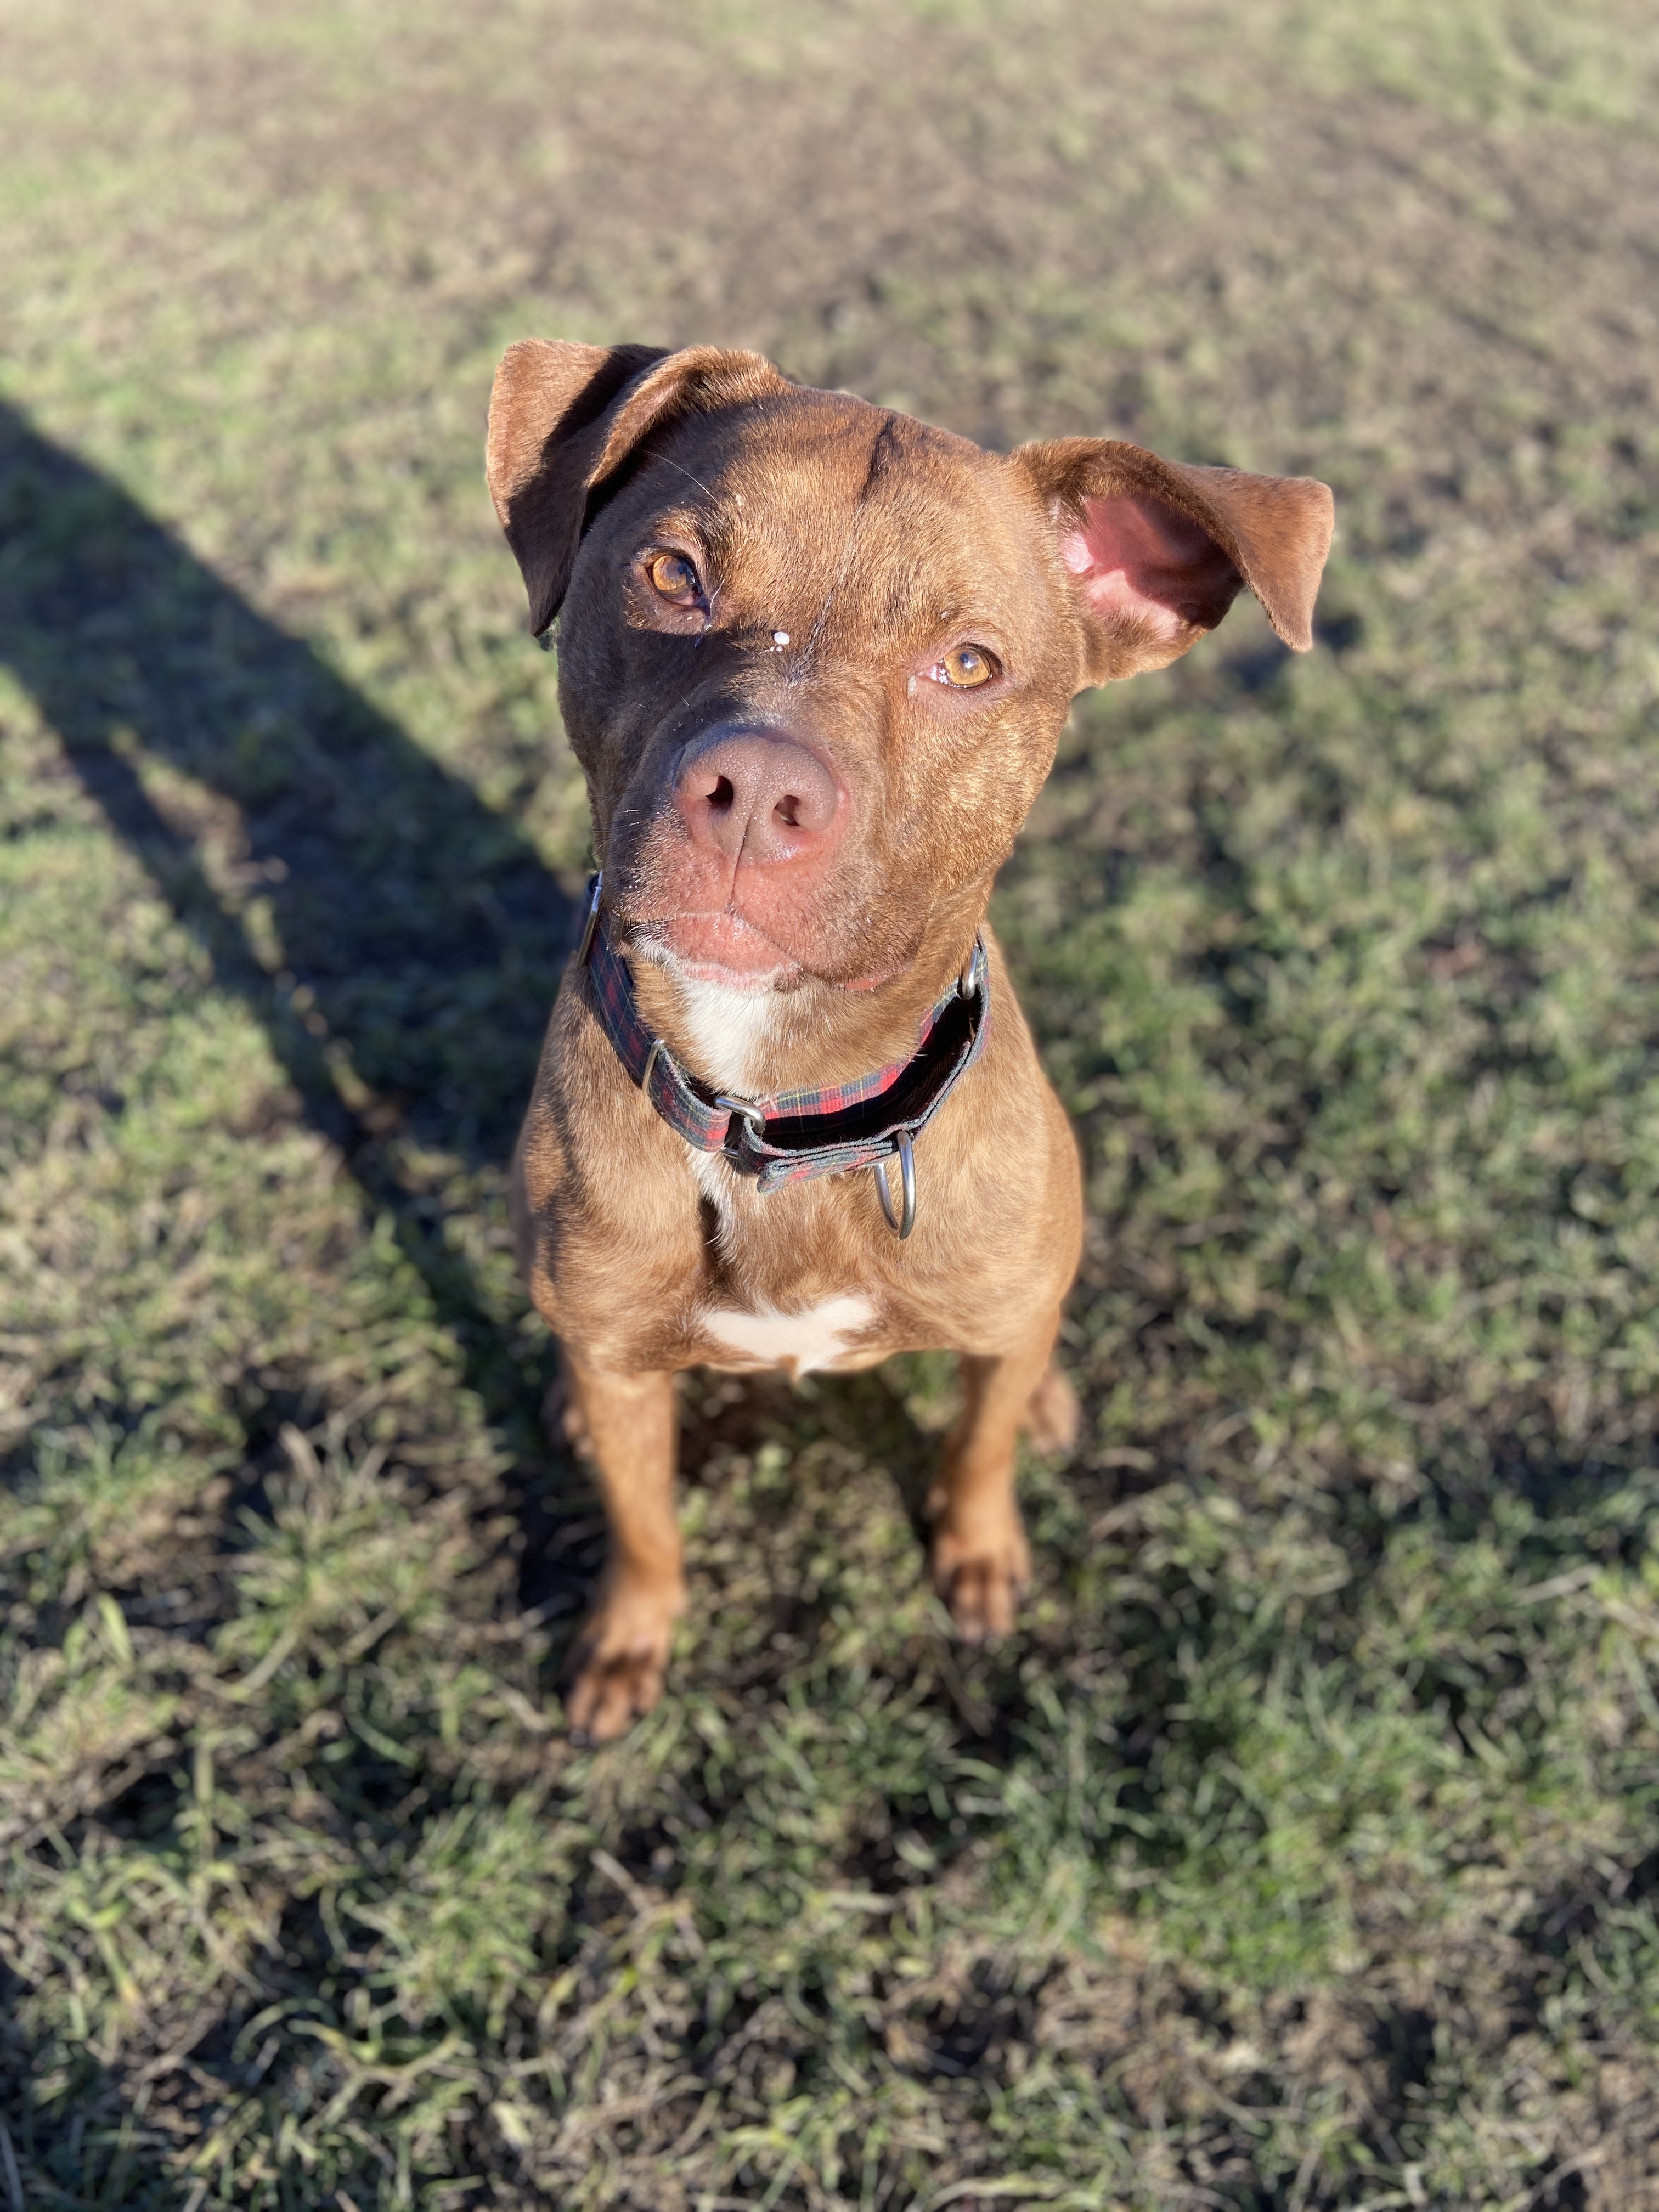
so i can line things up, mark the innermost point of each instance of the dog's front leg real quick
(979, 1558)
(621, 1656)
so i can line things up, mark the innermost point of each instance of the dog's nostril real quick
(722, 797)
(787, 810)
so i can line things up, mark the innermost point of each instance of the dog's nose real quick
(757, 793)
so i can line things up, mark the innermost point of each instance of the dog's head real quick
(815, 656)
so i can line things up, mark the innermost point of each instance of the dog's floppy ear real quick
(1160, 549)
(563, 417)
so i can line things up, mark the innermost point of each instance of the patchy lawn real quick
(1300, 1851)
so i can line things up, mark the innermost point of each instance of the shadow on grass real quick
(400, 944)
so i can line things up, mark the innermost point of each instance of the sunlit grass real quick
(1298, 1851)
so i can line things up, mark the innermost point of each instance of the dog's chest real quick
(764, 1317)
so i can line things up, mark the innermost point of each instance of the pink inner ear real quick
(1137, 557)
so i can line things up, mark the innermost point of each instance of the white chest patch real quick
(800, 1341)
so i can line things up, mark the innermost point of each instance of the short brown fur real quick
(872, 545)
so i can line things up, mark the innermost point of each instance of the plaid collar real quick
(788, 1136)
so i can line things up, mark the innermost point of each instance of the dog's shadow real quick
(398, 941)
(866, 1413)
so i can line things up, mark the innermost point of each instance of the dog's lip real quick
(716, 946)
(723, 930)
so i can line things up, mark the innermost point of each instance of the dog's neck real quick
(753, 1043)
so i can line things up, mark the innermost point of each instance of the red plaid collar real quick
(790, 1135)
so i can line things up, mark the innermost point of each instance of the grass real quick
(1299, 1851)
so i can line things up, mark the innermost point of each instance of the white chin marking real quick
(729, 1030)
(799, 1341)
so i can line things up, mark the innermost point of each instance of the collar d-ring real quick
(905, 1220)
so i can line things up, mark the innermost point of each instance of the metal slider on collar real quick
(591, 923)
(746, 1111)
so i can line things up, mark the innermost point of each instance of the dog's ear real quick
(564, 417)
(1160, 549)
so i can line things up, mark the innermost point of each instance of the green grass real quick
(1299, 1851)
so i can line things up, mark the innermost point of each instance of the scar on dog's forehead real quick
(942, 542)
(814, 499)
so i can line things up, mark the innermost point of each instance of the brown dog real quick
(815, 659)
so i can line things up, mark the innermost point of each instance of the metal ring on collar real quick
(905, 1221)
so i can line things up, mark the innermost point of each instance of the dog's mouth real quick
(717, 948)
(725, 947)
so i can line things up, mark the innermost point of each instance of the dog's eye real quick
(674, 578)
(965, 668)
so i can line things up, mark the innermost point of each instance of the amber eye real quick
(965, 668)
(672, 575)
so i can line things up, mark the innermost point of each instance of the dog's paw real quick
(1054, 1417)
(982, 1575)
(619, 1666)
